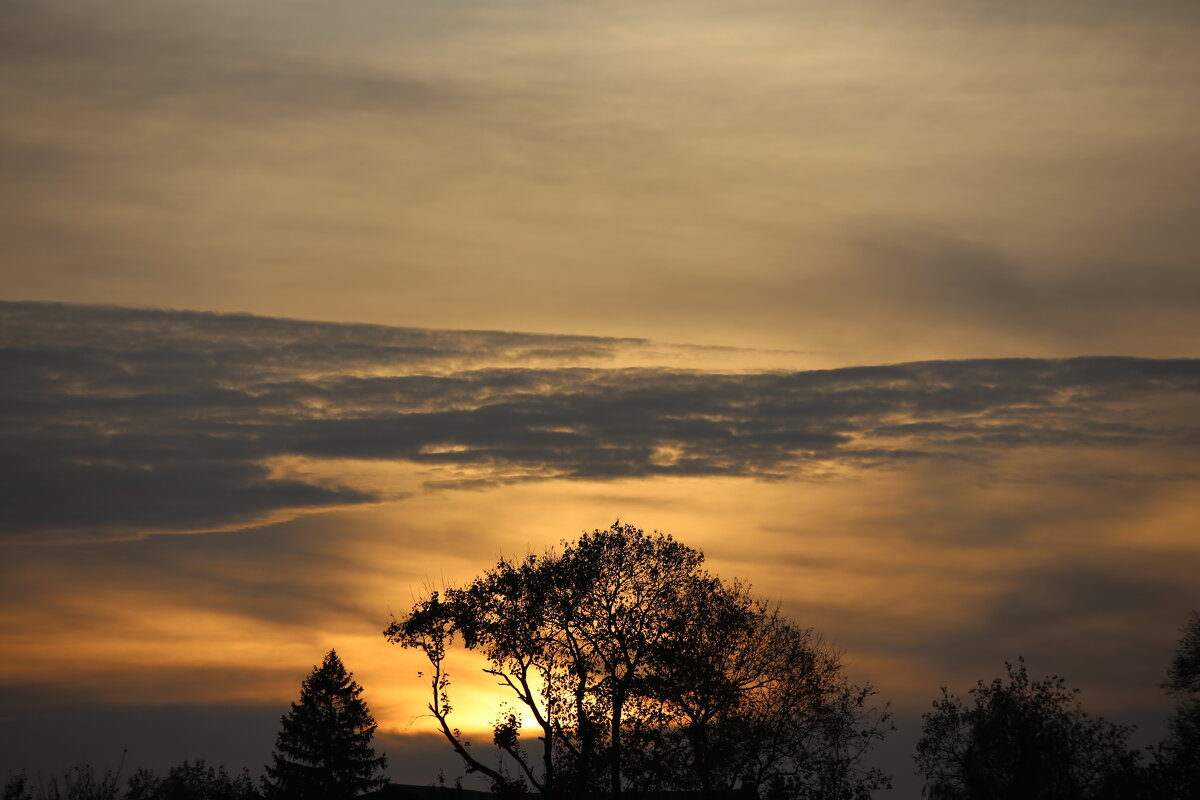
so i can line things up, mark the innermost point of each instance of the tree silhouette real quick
(642, 671)
(758, 702)
(1180, 755)
(191, 781)
(1022, 739)
(324, 745)
(81, 782)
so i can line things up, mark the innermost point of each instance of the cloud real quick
(120, 421)
(139, 58)
(1105, 623)
(547, 168)
(933, 272)
(47, 733)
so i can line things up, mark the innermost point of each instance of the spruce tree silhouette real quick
(324, 746)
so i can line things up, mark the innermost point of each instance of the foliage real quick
(1183, 676)
(81, 782)
(191, 781)
(187, 781)
(1022, 739)
(642, 671)
(1179, 758)
(754, 700)
(16, 787)
(324, 746)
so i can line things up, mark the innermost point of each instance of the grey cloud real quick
(43, 337)
(139, 56)
(205, 136)
(1076, 13)
(121, 420)
(150, 494)
(47, 731)
(938, 273)
(1081, 620)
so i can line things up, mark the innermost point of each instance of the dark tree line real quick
(187, 781)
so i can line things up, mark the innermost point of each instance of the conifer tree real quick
(324, 746)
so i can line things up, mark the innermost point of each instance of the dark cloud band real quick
(119, 420)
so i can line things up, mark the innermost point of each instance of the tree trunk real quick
(615, 767)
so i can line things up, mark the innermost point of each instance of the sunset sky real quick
(891, 307)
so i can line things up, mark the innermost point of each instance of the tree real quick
(1179, 759)
(324, 745)
(81, 782)
(1025, 740)
(16, 788)
(191, 781)
(755, 701)
(640, 670)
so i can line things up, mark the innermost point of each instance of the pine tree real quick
(323, 750)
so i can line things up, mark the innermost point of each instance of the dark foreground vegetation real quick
(647, 677)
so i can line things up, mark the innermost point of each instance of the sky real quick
(891, 308)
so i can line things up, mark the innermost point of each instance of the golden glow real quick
(859, 558)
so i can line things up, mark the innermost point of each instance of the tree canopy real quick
(640, 670)
(323, 749)
(191, 781)
(1022, 739)
(1179, 757)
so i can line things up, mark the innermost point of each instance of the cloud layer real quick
(879, 182)
(120, 421)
